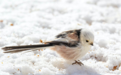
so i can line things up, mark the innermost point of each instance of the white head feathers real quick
(87, 37)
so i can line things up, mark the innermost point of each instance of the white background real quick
(29, 21)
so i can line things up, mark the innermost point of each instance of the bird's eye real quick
(87, 41)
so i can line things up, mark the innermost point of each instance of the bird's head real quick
(87, 37)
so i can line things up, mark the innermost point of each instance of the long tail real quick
(15, 49)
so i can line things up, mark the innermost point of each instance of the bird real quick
(71, 45)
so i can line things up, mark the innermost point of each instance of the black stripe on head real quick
(78, 33)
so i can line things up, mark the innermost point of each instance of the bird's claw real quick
(78, 62)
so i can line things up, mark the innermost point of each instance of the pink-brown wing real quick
(71, 35)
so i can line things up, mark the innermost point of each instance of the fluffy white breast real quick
(84, 50)
(68, 53)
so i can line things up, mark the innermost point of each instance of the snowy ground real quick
(29, 21)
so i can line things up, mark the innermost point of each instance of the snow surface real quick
(29, 21)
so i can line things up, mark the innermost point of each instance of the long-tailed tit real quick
(71, 45)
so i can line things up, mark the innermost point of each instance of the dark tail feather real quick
(20, 50)
(24, 47)
(15, 49)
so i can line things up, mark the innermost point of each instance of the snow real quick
(29, 21)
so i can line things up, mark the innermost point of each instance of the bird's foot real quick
(78, 62)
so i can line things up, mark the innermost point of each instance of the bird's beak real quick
(91, 44)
